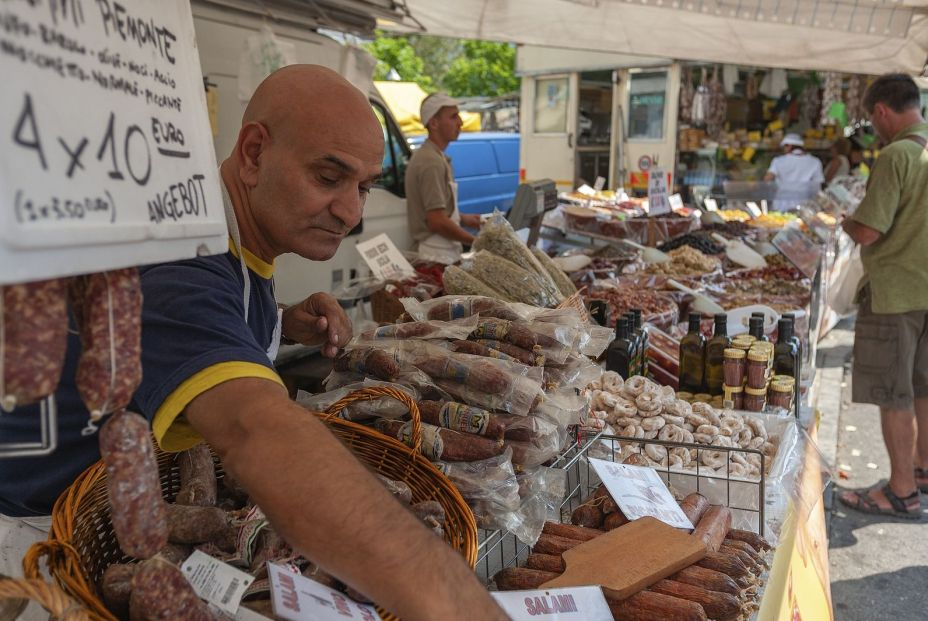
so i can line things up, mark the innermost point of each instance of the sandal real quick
(901, 508)
(922, 473)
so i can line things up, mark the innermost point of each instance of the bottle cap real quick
(755, 392)
(783, 386)
(735, 353)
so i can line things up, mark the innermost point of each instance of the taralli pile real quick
(723, 585)
(642, 410)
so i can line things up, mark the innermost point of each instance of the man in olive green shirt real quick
(891, 339)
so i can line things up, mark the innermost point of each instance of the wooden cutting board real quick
(629, 558)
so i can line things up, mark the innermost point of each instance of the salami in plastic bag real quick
(443, 444)
(458, 329)
(367, 409)
(451, 307)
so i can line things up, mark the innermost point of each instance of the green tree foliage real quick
(484, 68)
(463, 68)
(398, 54)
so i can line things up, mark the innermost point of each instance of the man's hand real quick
(470, 220)
(318, 320)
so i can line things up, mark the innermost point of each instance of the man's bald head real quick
(309, 96)
(308, 152)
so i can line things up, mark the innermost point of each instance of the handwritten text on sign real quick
(297, 598)
(639, 491)
(658, 201)
(586, 603)
(104, 134)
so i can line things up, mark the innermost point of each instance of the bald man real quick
(308, 151)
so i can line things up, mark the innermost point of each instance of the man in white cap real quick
(798, 175)
(431, 192)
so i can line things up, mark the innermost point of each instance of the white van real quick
(221, 35)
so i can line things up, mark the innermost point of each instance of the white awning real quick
(851, 36)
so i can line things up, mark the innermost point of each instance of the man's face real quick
(312, 185)
(447, 123)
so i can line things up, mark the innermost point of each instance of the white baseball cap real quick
(792, 139)
(432, 104)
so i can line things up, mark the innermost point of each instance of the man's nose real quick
(348, 206)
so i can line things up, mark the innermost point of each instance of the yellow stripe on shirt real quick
(257, 265)
(172, 431)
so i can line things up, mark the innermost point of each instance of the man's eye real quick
(364, 190)
(327, 180)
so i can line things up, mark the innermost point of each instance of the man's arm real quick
(470, 220)
(326, 504)
(439, 223)
(861, 233)
(769, 176)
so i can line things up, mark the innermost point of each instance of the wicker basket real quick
(81, 543)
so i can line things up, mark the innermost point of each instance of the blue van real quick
(486, 167)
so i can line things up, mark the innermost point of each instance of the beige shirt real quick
(428, 186)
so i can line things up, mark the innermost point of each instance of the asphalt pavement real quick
(878, 565)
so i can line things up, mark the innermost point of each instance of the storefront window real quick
(551, 106)
(647, 99)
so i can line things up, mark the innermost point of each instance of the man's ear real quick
(253, 139)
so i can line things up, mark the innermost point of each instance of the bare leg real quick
(899, 432)
(921, 447)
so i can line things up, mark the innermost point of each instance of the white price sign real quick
(639, 491)
(104, 138)
(658, 201)
(384, 259)
(753, 209)
(676, 202)
(216, 582)
(297, 598)
(711, 204)
(565, 604)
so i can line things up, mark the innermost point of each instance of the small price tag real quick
(599, 184)
(753, 209)
(658, 202)
(573, 603)
(216, 582)
(384, 259)
(297, 598)
(711, 204)
(676, 202)
(639, 491)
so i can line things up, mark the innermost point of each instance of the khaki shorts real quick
(890, 357)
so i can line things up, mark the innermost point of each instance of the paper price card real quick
(658, 201)
(566, 604)
(297, 598)
(216, 582)
(384, 259)
(105, 139)
(711, 204)
(639, 491)
(676, 202)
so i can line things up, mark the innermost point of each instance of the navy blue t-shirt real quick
(192, 327)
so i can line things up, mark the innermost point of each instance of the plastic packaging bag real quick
(497, 236)
(545, 445)
(457, 281)
(422, 330)
(382, 407)
(491, 482)
(452, 307)
(442, 444)
(516, 283)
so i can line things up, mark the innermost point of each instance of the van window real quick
(646, 105)
(395, 154)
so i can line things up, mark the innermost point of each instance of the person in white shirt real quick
(798, 175)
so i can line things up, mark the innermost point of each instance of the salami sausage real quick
(192, 525)
(522, 355)
(553, 544)
(138, 511)
(753, 539)
(719, 606)
(470, 419)
(461, 307)
(368, 361)
(108, 309)
(478, 374)
(34, 340)
(647, 606)
(713, 527)
(197, 477)
(160, 592)
(476, 348)
(545, 562)
(708, 579)
(520, 578)
(571, 531)
(117, 588)
(443, 444)
(694, 506)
